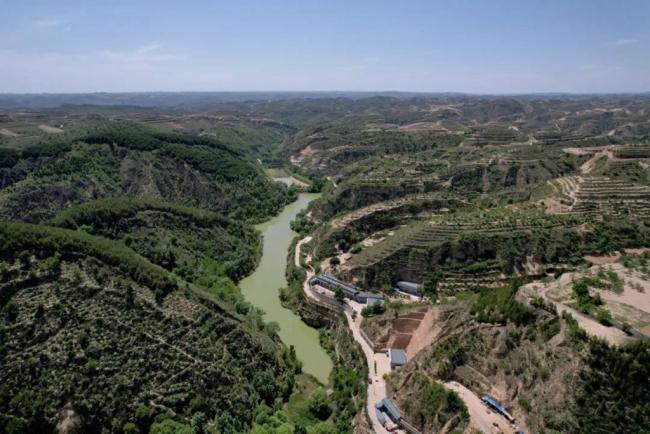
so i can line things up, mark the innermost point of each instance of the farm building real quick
(397, 358)
(381, 417)
(389, 409)
(497, 407)
(408, 287)
(330, 282)
(369, 298)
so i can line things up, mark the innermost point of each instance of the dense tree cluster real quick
(127, 159)
(19, 237)
(500, 306)
(613, 398)
(172, 236)
(77, 336)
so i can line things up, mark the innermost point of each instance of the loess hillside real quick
(543, 368)
(125, 229)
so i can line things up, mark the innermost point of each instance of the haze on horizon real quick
(470, 46)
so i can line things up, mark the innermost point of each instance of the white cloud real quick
(622, 42)
(361, 65)
(47, 23)
(144, 54)
(601, 68)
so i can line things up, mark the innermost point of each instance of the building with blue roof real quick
(409, 287)
(330, 282)
(397, 358)
(496, 406)
(390, 410)
(380, 416)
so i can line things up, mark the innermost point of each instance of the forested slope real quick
(93, 338)
(126, 159)
(175, 237)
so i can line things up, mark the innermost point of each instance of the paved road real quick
(310, 273)
(377, 390)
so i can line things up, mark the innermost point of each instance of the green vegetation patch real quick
(18, 237)
(175, 237)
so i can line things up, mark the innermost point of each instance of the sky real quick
(472, 46)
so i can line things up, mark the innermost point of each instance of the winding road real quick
(377, 390)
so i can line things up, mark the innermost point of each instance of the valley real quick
(332, 264)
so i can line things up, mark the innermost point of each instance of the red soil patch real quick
(405, 325)
(402, 341)
(414, 315)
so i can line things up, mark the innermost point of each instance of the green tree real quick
(24, 258)
(272, 329)
(604, 316)
(627, 328)
(430, 285)
(170, 427)
(319, 404)
(338, 293)
(11, 310)
(335, 261)
(130, 428)
(323, 428)
(15, 426)
(143, 416)
(581, 290)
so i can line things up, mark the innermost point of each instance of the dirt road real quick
(590, 325)
(478, 412)
(310, 272)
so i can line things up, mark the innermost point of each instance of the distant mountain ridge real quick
(181, 99)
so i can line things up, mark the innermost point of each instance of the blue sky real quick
(477, 46)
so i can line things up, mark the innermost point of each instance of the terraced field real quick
(387, 205)
(414, 249)
(592, 197)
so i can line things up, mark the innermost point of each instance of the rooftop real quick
(391, 410)
(498, 407)
(334, 281)
(371, 295)
(397, 356)
(410, 285)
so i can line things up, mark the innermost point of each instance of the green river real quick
(261, 289)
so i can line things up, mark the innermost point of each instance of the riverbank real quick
(261, 290)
